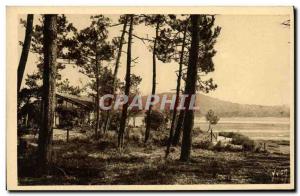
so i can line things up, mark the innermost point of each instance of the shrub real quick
(212, 118)
(157, 120)
(160, 138)
(102, 145)
(219, 146)
(233, 148)
(258, 148)
(114, 121)
(197, 131)
(136, 137)
(227, 134)
(204, 144)
(239, 139)
(248, 145)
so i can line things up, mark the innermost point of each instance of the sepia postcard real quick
(150, 98)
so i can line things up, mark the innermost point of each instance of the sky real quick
(252, 64)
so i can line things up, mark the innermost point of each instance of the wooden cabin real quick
(81, 109)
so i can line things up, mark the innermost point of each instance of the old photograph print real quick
(135, 99)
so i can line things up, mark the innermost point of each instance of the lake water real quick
(265, 128)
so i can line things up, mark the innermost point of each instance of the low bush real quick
(219, 146)
(233, 148)
(227, 134)
(203, 144)
(136, 137)
(239, 139)
(159, 138)
(248, 145)
(158, 120)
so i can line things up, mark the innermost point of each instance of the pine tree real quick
(208, 35)
(48, 104)
(25, 49)
(91, 51)
(127, 85)
(157, 21)
(178, 86)
(65, 87)
(190, 88)
(124, 20)
(64, 43)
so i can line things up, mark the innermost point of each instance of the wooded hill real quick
(229, 109)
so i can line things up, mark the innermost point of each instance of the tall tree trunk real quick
(211, 132)
(48, 107)
(127, 86)
(177, 93)
(25, 49)
(107, 120)
(178, 129)
(97, 100)
(148, 124)
(190, 89)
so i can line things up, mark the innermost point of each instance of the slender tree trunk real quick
(68, 134)
(127, 86)
(25, 49)
(190, 89)
(211, 135)
(107, 120)
(48, 107)
(26, 120)
(178, 129)
(148, 124)
(177, 94)
(97, 100)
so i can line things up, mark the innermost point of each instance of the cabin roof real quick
(83, 101)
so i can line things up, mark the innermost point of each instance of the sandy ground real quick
(84, 161)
